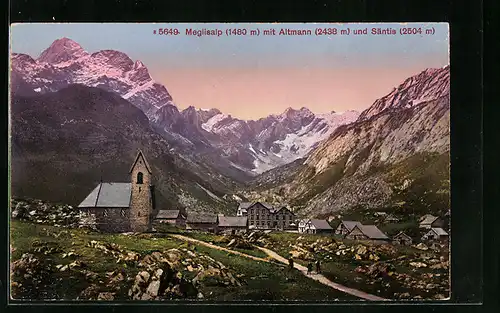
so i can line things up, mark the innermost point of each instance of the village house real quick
(367, 232)
(402, 239)
(262, 215)
(172, 217)
(435, 233)
(429, 221)
(315, 226)
(204, 222)
(346, 227)
(124, 206)
(302, 225)
(232, 224)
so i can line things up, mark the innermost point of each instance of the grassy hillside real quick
(63, 143)
(76, 263)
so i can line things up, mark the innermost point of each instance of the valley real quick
(78, 120)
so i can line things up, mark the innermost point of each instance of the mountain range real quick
(396, 154)
(73, 113)
(235, 146)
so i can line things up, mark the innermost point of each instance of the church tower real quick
(141, 199)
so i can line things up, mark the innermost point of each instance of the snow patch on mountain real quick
(210, 124)
(65, 62)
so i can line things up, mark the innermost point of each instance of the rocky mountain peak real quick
(428, 85)
(115, 58)
(62, 50)
(138, 64)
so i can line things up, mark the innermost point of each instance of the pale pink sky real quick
(253, 76)
(255, 93)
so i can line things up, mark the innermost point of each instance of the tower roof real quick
(145, 162)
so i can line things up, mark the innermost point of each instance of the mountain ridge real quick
(228, 142)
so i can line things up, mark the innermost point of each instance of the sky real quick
(253, 76)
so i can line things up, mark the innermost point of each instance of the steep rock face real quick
(427, 85)
(65, 62)
(366, 162)
(63, 143)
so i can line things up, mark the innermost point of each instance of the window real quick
(105, 213)
(122, 213)
(139, 178)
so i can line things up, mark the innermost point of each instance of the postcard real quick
(279, 162)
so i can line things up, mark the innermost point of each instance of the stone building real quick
(262, 215)
(123, 207)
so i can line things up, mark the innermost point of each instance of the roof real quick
(390, 217)
(427, 219)
(372, 231)
(351, 224)
(145, 162)
(168, 214)
(267, 205)
(321, 224)
(202, 218)
(232, 221)
(282, 208)
(107, 195)
(245, 205)
(401, 234)
(439, 231)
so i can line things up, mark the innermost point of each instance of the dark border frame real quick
(465, 19)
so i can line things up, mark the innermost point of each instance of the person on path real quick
(309, 268)
(290, 263)
(318, 267)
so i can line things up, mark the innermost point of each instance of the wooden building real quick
(172, 217)
(402, 239)
(429, 221)
(303, 225)
(204, 222)
(367, 232)
(435, 233)
(233, 224)
(315, 226)
(346, 227)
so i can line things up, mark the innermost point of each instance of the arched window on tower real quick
(139, 178)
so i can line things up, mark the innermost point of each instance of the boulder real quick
(106, 296)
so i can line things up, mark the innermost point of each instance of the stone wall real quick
(112, 220)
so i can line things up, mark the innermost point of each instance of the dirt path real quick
(322, 279)
(181, 237)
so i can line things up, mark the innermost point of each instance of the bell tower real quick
(141, 198)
